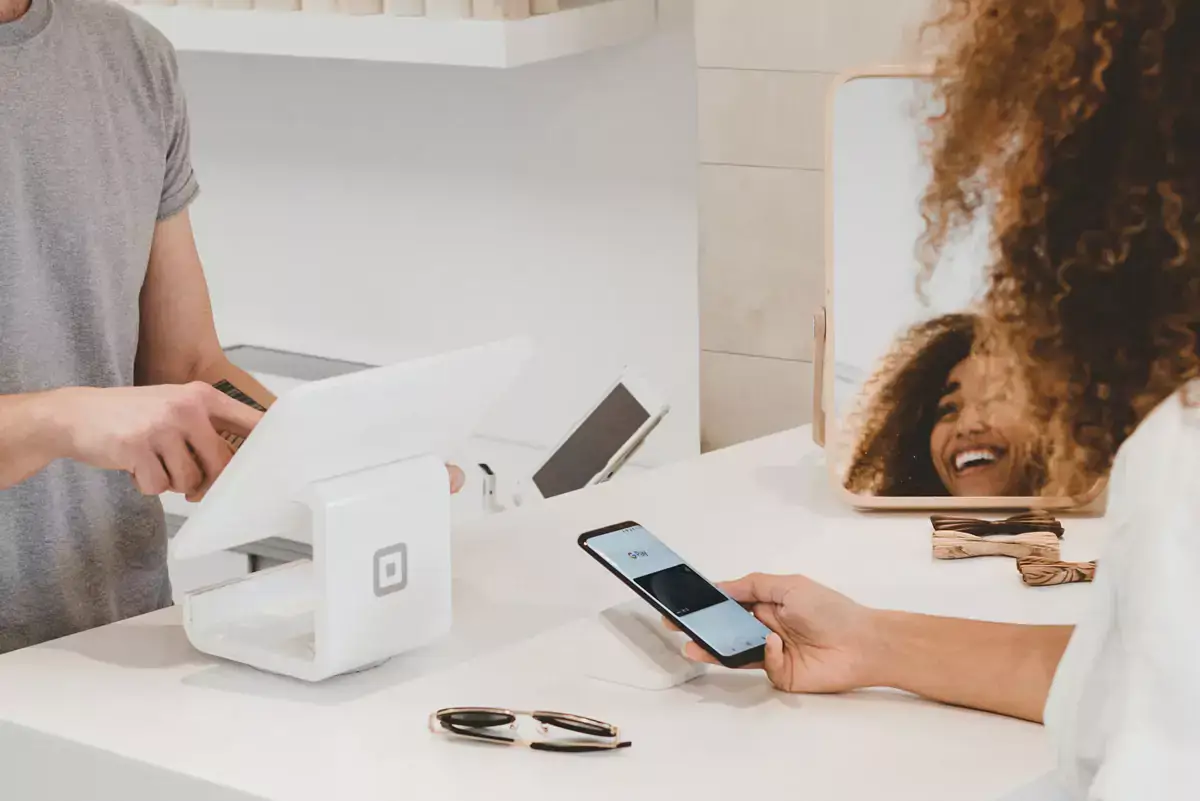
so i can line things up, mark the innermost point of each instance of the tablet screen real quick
(589, 448)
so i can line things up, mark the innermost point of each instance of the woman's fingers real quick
(775, 662)
(760, 588)
(768, 615)
(765, 613)
(697, 654)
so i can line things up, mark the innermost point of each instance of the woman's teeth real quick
(974, 458)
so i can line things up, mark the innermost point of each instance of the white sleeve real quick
(1152, 724)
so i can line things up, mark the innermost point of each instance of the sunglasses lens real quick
(592, 728)
(477, 718)
(575, 748)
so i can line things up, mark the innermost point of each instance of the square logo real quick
(391, 569)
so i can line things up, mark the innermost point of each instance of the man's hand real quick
(820, 641)
(167, 437)
(458, 478)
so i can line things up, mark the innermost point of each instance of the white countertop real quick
(132, 708)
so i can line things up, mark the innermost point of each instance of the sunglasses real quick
(499, 726)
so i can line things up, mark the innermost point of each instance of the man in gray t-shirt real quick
(107, 345)
(108, 353)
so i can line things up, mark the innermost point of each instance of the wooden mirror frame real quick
(827, 430)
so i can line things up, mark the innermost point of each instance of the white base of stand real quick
(627, 645)
(371, 666)
(378, 584)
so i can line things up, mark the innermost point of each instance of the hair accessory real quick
(1041, 572)
(1029, 534)
(1024, 523)
(957, 545)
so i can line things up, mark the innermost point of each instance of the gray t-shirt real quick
(93, 151)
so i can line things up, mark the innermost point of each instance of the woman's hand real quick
(821, 642)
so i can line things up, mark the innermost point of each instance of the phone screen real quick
(716, 621)
(589, 448)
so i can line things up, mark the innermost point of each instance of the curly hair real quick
(899, 409)
(1075, 126)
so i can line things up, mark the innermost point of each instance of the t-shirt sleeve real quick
(179, 180)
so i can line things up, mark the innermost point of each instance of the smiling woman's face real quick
(978, 440)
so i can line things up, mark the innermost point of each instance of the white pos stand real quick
(627, 645)
(349, 465)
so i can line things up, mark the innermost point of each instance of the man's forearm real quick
(30, 435)
(996, 667)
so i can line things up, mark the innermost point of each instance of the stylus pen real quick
(621, 458)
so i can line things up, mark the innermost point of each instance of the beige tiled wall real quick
(765, 67)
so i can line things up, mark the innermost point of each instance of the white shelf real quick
(413, 40)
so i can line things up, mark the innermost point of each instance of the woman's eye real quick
(947, 409)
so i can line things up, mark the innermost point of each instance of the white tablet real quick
(601, 442)
(342, 425)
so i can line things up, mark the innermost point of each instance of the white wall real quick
(371, 212)
(880, 177)
(764, 70)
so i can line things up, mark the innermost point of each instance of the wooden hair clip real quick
(1041, 572)
(960, 545)
(1024, 523)
(1030, 534)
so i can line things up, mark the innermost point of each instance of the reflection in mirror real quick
(923, 404)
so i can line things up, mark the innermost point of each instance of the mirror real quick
(917, 412)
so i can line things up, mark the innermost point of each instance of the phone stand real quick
(378, 584)
(627, 645)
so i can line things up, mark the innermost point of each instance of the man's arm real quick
(165, 437)
(178, 341)
(996, 667)
(164, 432)
(30, 439)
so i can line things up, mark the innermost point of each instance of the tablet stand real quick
(351, 466)
(378, 584)
(627, 645)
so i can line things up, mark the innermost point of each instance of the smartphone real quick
(718, 624)
(599, 444)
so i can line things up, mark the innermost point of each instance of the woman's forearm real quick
(996, 667)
